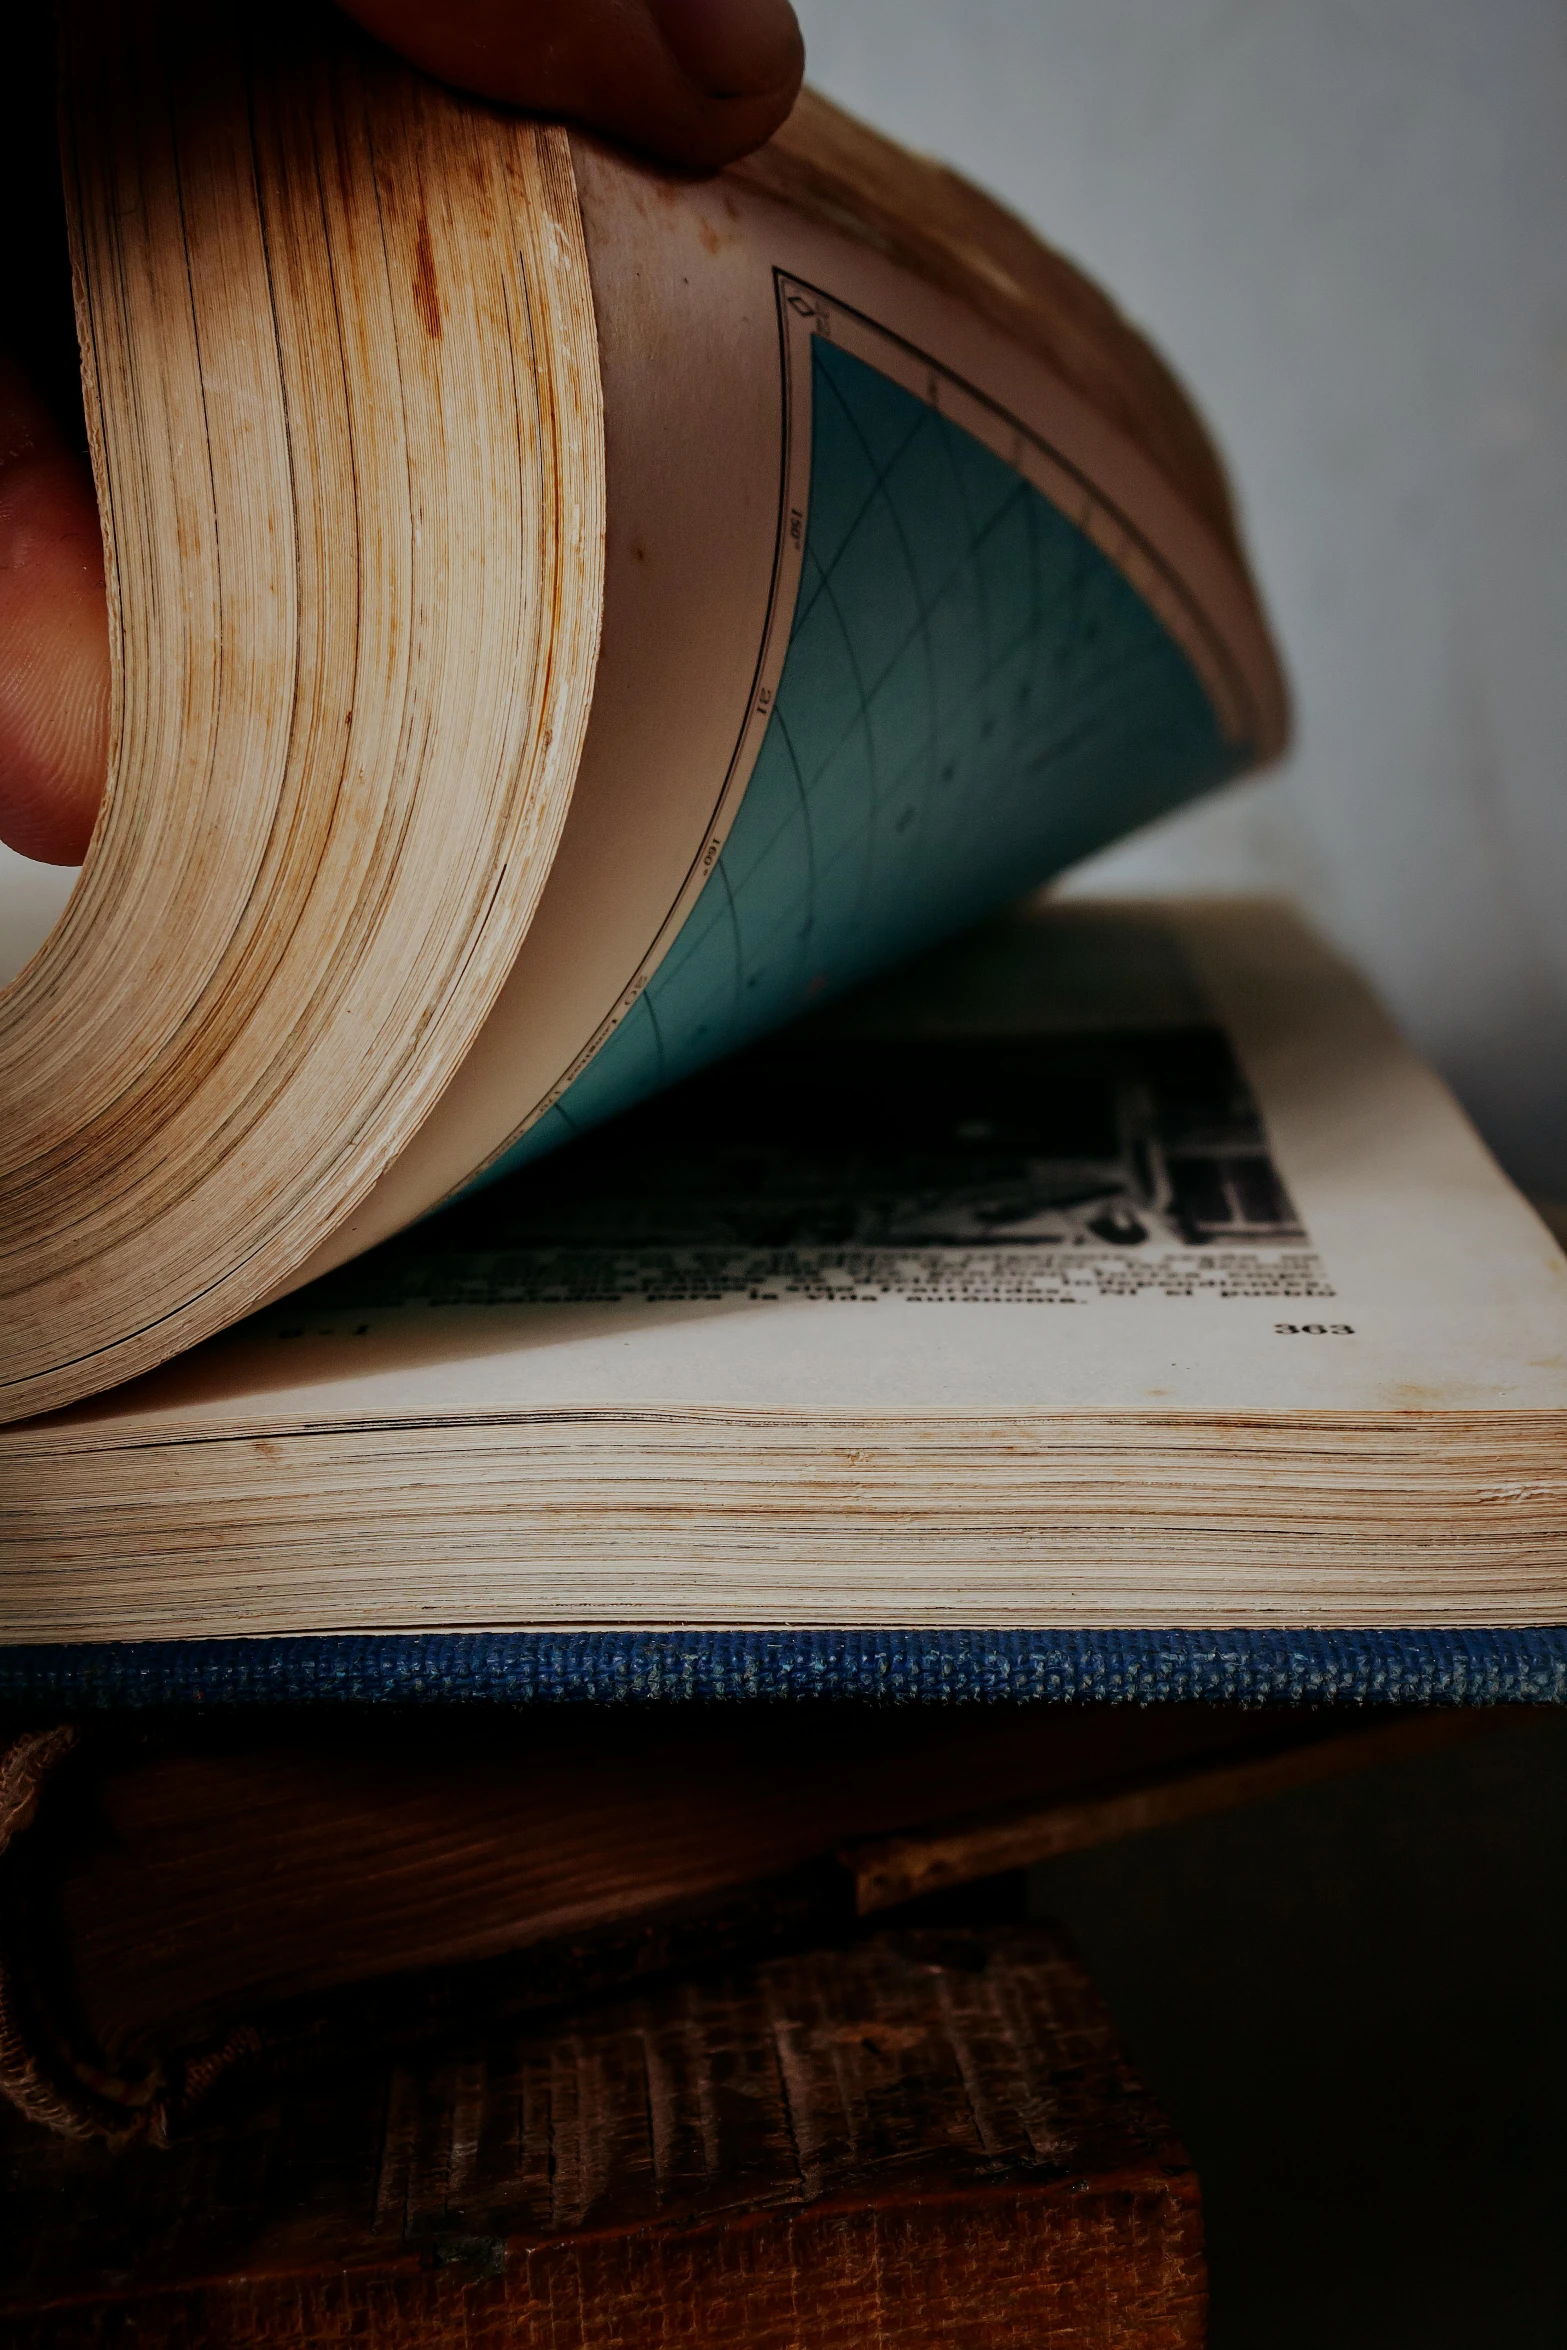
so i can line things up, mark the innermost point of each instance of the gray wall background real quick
(1345, 221)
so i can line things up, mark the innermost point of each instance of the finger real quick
(54, 637)
(691, 82)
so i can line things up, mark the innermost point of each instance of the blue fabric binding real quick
(922, 1667)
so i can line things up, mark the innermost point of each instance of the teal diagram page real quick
(973, 697)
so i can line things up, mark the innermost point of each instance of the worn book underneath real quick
(1118, 1267)
(925, 2137)
(192, 1906)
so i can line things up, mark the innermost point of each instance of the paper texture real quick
(1116, 1268)
(972, 666)
(895, 625)
(1220, 1184)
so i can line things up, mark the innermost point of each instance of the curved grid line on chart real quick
(973, 697)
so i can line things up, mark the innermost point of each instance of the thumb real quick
(695, 83)
(692, 82)
(54, 637)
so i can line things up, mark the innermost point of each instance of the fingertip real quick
(734, 48)
(693, 83)
(705, 135)
(54, 638)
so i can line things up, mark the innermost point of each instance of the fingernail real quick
(732, 48)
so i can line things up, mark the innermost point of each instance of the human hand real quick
(694, 83)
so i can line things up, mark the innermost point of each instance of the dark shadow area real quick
(1351, 2002)
(39, 325)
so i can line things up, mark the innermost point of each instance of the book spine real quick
(1245, 1665)
(1118, 2266)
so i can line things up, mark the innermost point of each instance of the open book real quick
(1118, 1267)
(565, 623)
